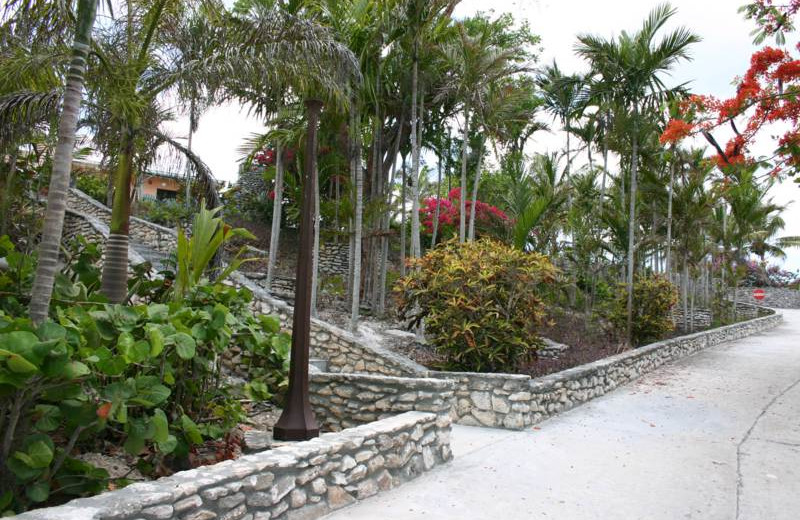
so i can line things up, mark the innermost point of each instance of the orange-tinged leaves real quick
(103, 410)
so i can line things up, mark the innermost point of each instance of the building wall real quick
(151, 184)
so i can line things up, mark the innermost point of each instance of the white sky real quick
(723, 54)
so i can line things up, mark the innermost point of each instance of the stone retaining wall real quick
(778, 298)
(700, 318)
(346, 400)
(92, 229)
(304, 480)
(87, 226)
(159, 238)
(334, 258)
(703, 318)
(517, 401)
(343, 351)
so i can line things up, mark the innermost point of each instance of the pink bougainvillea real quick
(489, 220)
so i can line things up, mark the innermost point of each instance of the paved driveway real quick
(713, 436)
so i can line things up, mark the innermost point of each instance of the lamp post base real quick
(296, 423)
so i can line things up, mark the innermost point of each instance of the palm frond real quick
(21, 112)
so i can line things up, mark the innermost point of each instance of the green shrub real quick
(92, 185)
(145, 377)
(653, 300)
(169, 213)
(480, 302)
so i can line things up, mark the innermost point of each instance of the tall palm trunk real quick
(569, 161)
(385, 221)
(403, 219)
(62, 164)
(471, 235)
(438, 202)
(463, 202)
(668, 267)
(416, 247)
(605, 165)
(632, 219)
(359, 210)
(277, 208)
(351, 221)
(114, 283)
(685, 291)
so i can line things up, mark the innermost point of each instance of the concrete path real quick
(713, 436)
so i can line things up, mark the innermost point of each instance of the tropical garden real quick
(413, 130)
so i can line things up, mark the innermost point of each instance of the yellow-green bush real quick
(653, 300)
(480, 302)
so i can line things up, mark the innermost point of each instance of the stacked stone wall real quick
(159, 238)
(345, 400)
(334, 258)
(518, 401)
(774, 297)
(342, 350)
(304, 480)
(92, 229)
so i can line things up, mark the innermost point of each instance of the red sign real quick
(758, 294)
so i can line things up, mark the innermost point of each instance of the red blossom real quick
(766, 94)
(488, 218)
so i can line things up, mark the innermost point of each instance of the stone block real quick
(192, 502)
(500, 405)
(338, 497)
(297, 498)
(481, 400)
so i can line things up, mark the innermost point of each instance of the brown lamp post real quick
(297, 422)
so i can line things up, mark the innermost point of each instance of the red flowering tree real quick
(489, 220)
(767, 97)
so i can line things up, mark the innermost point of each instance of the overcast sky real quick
(723, 54)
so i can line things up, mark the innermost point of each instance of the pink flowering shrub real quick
(489, 220)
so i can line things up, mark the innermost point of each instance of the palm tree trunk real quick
(463, 202)
(471, 234)
(416, 133)
(351, 221)
(403, 220)
(385, 222)
(438, 202)
(685, 291)
(632, 220)
(359, 210)
(114, 282)
(384, 259)
(277, 208)
(668, 268)
(62, 164)
(605, 166)
(693, 287)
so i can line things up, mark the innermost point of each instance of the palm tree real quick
(476, 62)
(693, 206)
(632, 65)
(134, 75)
(422, 17)
(564, 96)
(62, 164)
(537, 204)
(506, 115)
